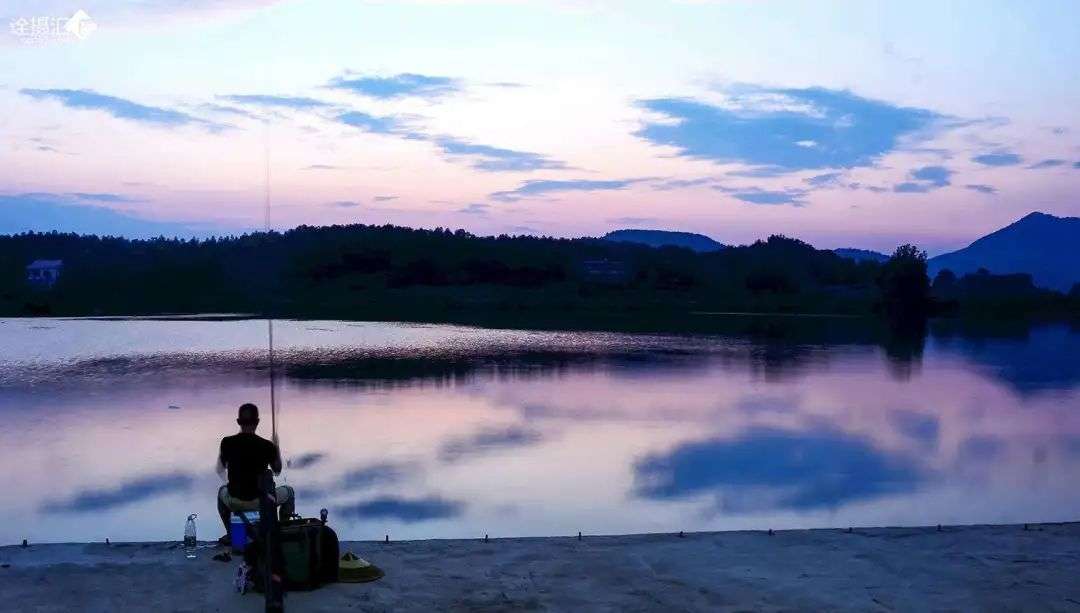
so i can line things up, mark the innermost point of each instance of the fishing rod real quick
(269, 315)
(273, 579)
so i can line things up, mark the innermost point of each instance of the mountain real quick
(665, 238)
(1044, 246)
(860, 255)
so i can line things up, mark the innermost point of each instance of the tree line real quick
(391, 272)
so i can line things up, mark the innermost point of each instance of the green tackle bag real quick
(310, 550)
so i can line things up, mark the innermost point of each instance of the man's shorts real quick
(283, 493)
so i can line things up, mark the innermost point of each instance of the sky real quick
(843, 123)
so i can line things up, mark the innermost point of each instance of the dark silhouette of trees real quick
(944, 282)
(983, 293)
(905, 287)
(390, 272)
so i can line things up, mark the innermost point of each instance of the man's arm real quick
(221, 464)
(275, 464)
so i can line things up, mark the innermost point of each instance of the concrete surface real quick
(1004, 568)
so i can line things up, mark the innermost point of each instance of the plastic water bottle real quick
(190, 540)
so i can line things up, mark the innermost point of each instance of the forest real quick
(391, 272)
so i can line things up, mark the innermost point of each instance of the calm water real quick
(110, 428)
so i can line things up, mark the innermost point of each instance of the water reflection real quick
(383, 472)
(442, 431)
(405, 510)
(1030, 359)
(134, 491)
(904, 343)
(487, 440)
(766, 468)
(305, 460)
(920, 427)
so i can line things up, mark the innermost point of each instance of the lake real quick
(111, 427)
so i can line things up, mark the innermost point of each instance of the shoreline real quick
(955, 567)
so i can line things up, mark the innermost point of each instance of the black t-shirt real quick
(246, 456)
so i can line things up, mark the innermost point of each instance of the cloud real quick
(829, 179)
(130, 492)
(1047, 164)
(633, 221)
(539, 187)
(371, 123)
(925, 179)
(475, 208)
(345, 204)
(227, 110)
(485, 158)
(770, 128)
(671, 184)
(489, 440)
(775, 469)
(759, 172)
(909, 187)
(756, 195)
(1076, 164)
(495, 159)
(938, 176)
(290, 102)
(997, 159)
(404, 510)
(398, 86)
(85, 99)
(45, 212)
(41, 143)
(108, 198)
(760, 196)
(321, 167)
(982, 189)
(385, 198)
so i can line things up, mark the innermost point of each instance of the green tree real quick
(905, 286)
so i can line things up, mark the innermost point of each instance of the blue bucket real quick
(238, 531)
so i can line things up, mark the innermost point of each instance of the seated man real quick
(246, 456)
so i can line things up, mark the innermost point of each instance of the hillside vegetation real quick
(391, 272)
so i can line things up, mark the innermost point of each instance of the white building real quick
(44, 273)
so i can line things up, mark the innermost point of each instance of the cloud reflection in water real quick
(403, 509)
(129, 492)
(489, 440)
(767, 468)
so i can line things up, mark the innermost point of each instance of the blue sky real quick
(859, 124)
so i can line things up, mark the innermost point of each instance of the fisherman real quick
(245, 457)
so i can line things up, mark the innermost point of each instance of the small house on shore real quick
(44, 273)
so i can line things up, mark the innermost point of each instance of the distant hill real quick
(861, 254)
(665, 238)
(1045, 246)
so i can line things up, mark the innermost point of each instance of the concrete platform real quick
(1004, 568)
